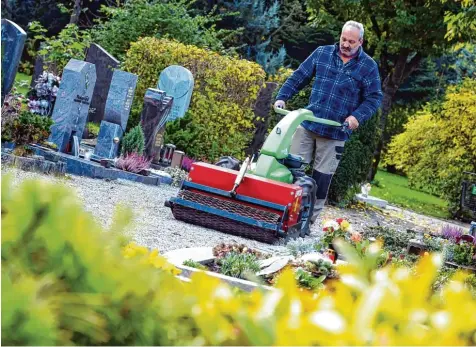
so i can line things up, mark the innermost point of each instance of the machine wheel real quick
(308, 199)
(229, 163)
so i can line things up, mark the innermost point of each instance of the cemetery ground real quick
(155, 227)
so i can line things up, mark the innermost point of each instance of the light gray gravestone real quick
(105, 65)
(13, 41)
(177, 82)
(72, 102)
(119, 98)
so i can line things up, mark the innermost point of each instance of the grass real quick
(395, 190)
(24, 79)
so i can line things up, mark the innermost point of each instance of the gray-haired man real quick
(347, 88)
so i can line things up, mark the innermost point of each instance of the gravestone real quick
(37, 70)
(118, 107)
(177, 82)
(108, 141)
(72, 102)
(13, 41)
(262, 110)
(157, 106)
(105, 65)
(119, 98)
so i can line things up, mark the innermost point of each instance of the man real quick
(346, 89)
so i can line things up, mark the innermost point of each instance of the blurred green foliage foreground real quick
(67, 281)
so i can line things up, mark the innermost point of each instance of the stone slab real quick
(372, 200)
(13, 41)
(202, 255)
(247, 286)
(275, 266)
(34, 164)
(108, 140)
(89, 168)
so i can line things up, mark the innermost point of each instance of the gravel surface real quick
(155, 227)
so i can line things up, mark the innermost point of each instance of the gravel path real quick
(155, 227)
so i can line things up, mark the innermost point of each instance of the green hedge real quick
(224, 94)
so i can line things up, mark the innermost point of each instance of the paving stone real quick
(202, 255)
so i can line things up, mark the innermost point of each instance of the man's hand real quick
(280, 104)
(353, 122)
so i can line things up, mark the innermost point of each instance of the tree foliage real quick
(152, 18)
(439, 144)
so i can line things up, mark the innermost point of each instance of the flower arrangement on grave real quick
(42, 96)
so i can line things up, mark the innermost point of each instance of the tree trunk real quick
(78, 4)
(394, 79)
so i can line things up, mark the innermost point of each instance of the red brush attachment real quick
(251, 186)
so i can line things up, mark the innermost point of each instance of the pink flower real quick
(356, 237)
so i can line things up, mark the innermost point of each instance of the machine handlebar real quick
(344, 126)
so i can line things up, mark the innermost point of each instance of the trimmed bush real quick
(439, 144)
(224, 94)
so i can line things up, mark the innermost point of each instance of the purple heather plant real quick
(133, 162)
(451, 232)
(187, 163)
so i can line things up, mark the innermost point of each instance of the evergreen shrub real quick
(133, 141)
(224, 94)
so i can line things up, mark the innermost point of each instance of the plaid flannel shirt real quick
(339, 89)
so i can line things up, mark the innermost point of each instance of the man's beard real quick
(347, 52)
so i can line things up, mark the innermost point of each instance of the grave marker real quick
(177, 82)
(119, 98)
(13, 41)
(118, 107)
(156, 109)
(72, 102)
(105, 65)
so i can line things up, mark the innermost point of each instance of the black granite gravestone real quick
(157, 106)
(105, 65)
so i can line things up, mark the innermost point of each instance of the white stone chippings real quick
(153, 224)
